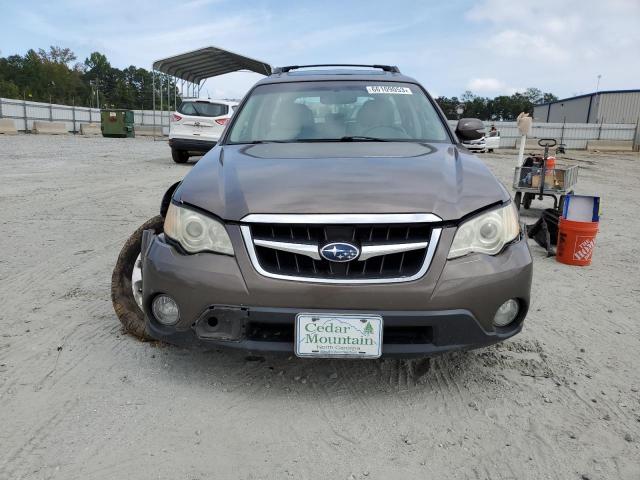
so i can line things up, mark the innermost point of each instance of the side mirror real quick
(469, 129)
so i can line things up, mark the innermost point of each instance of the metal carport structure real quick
(193, 69)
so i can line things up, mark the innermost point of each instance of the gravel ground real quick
(79, 399)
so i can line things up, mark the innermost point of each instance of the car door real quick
(493, 141)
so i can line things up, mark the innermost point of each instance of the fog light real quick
(165, 309)
(507, 313)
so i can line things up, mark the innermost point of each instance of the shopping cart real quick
(556, 182)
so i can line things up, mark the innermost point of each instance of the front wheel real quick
(179, 156)
(126, 281)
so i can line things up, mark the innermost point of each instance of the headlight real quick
(487, 233)
(196, 232)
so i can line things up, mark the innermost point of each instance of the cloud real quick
(492, 86)
(557, 46)
(512, 90)
(513, 43)
(483, 85)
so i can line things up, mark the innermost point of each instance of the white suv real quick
(488, 143)
(197, 126)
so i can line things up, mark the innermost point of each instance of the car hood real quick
(232, 181)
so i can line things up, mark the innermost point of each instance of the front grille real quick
(400, 265)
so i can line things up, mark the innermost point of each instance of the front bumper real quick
(450, 308)
(475, 146)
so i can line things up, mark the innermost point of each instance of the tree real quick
(45, 75)
(8, 89)
(368, 329)
(57, 55)
(503, 107)
(448, 106)
(97, 64)
(468, 96)
(533, 94)
(51, 75)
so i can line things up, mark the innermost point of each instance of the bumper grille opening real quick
(270, 332)
(393, 265)
(281, 332)
(407, 335)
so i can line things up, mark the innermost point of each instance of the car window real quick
(333, 110)
(203, 109)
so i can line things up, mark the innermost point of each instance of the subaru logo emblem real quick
(339, 252)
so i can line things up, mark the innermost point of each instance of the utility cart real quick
(541, 181)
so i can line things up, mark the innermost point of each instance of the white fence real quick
(24, 113)
(573, 135)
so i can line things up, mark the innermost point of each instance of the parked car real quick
(487, 143)
(337, 216)
(197, 125)
(476, 145)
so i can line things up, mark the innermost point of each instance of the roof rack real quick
(386, 68)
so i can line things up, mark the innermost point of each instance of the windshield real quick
(337, 111)
(203, 109)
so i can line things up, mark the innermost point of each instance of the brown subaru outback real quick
(338, 216)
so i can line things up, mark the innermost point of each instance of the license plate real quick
(338, 335)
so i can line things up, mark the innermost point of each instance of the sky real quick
(490, 47)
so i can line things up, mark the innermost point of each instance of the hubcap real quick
(136, 281)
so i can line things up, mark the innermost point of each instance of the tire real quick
(490, 150)
(526, 202)
(127, 310)
(517, 199)
(179, 156)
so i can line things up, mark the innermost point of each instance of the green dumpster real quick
(117, 123)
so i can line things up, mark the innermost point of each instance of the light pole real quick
(597, 100)
(94, 90)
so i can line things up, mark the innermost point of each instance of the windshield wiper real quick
(350, 138)
(361, 138)
(257, 142)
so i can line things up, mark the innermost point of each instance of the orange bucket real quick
(551, 163)
(576, 241)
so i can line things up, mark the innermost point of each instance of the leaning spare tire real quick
(128, 311)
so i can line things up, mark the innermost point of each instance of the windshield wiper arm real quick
(257, 142)
(358, 138)
(349, 138)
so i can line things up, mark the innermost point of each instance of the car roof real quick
(315, 75)
(210, 100)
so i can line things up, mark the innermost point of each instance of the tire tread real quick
(127, 310)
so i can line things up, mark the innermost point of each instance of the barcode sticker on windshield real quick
(389, 89)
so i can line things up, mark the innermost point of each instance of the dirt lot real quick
(80, 400)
